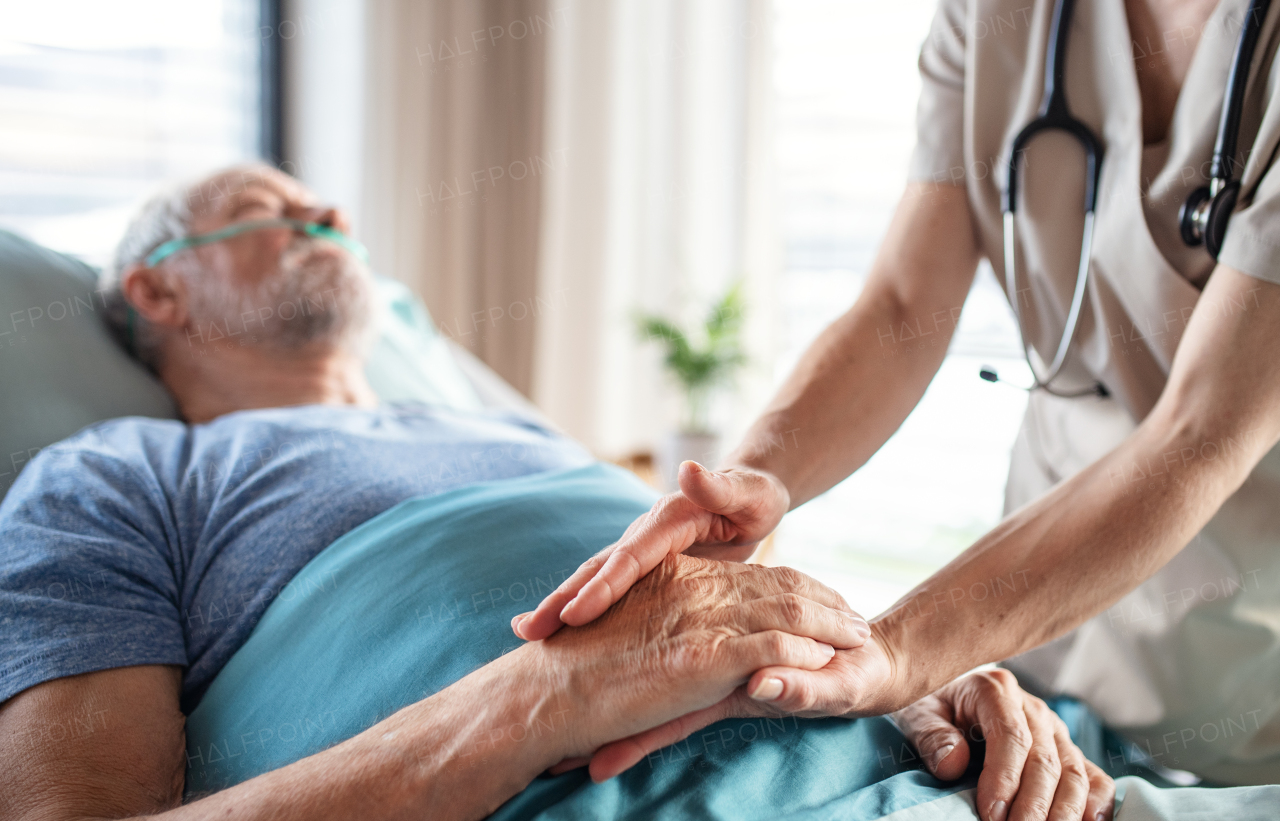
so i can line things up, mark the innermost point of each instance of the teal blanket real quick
(422, 595)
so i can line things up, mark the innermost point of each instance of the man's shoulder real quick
(118, 452)
(126, 437)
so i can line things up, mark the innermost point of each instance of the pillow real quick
(60, 368)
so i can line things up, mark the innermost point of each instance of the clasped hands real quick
(702, 637)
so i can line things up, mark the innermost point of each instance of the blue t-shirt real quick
(145, 541)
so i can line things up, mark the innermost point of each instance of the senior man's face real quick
(281, 288)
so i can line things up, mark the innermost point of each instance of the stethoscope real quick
(1202, 219)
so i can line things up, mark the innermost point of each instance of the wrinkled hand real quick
(686, 637)
(715, 515)
(1031, 769)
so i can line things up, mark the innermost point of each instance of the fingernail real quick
(1101, 816)
(941, 755)
(515, 623)
(565, 609)
(768, 689)
(828, 649)
(693, 466)
(999, 810)
(861, 627)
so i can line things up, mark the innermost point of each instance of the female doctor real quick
(1143, 501)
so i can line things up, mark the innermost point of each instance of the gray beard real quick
(311, 299)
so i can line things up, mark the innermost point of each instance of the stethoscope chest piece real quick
(1203, 218)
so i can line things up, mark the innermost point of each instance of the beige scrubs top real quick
(1187, 666)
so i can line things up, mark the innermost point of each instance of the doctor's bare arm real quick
(1096, 536)
(863, 375)
(111, 744)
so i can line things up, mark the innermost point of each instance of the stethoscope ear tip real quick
(989, 374)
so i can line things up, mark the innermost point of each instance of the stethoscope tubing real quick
(1054, 115)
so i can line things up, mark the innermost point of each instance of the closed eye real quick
(253, 210)
(256, 205)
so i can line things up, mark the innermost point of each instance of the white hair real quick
(164, 217)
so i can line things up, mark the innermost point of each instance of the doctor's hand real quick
(715, 515)
(1030, 770)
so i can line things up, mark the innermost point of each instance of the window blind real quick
(100, 103)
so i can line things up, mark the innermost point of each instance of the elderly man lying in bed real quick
(176, 550)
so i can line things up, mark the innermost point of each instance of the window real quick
(847, 83)
(102, 102)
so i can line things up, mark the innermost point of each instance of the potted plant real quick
(699, 362)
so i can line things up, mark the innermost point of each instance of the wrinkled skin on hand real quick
(1030, 768)
(684, 639)
(856, 682)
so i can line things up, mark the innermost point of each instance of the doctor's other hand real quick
(715, 515)
(1030, 770)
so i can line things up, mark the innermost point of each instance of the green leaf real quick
(725, 319)
(699, 367)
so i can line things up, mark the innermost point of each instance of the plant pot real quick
(703, 448)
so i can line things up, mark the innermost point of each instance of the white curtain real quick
(455, 161)
(663, 110)
(618, 156)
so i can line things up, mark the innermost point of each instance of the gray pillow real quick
(60, 368)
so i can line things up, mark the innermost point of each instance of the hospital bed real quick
(61, 370)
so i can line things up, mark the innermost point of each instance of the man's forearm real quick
(456, 755)
(862, 376)
(1067, 556)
